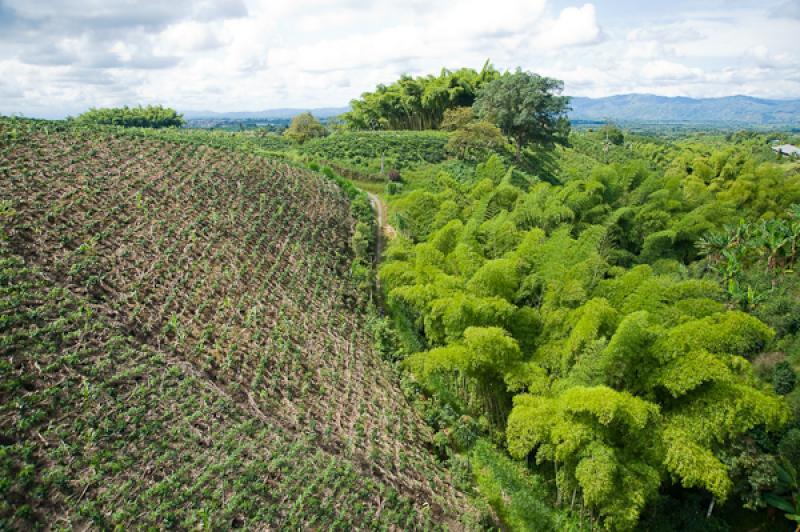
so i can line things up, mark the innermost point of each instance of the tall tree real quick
(527, 107)
(304, 127)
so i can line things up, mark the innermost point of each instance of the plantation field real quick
(251, 142)
(181, 346)
(362, 150)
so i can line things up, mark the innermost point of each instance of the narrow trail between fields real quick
(385, 232)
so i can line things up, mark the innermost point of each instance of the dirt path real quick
(385, 231)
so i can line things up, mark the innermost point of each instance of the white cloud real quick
(188, 36)
(62, 56)
(647, 50)
(574, 26)
(665, 33)
(669, 71)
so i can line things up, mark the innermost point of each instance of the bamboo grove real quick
(619, 331)
(418, 103)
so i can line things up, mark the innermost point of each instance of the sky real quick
(61, 57)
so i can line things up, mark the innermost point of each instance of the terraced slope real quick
(180, 347)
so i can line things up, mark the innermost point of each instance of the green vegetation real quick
(475, 141)
(417, 103)
(154, 116)
(182, 345)
(625, 328)
(305, 127)
(363, 151)
(520, 498)
(566, 330)
(256, 142)
(527, 107)
(595, 351)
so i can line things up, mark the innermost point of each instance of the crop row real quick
(234, 269)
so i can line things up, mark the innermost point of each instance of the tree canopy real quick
(527, 107)
(475, 140)
(417, 103)
(607, 326)
(305, 127)
(152, 116)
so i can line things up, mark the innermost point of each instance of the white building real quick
(787, 149)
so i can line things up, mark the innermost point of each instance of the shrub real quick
(363, 150)
(475, 141)
(613, 133)
(457, 118)
(784, 378)
(789, 446)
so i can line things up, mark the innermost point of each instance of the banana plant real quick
(773, 236)
(711, 246)
(739, 235)
(794, 229)
(787, 496)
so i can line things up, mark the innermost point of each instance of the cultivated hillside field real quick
(183, 347)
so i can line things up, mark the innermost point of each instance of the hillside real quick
(742, 110)
(180, 346)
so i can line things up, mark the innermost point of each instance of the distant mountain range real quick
(743, 110)
(625, 108)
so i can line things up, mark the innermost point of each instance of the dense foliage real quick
(417, 103)
(153, 116)
(527, 107)
(475, 141)
(613, 328)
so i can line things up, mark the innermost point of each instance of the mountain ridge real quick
(630, 107)
(637, 107)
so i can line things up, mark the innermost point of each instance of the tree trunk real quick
(519, 148)
(558, 488)
(710, 509)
